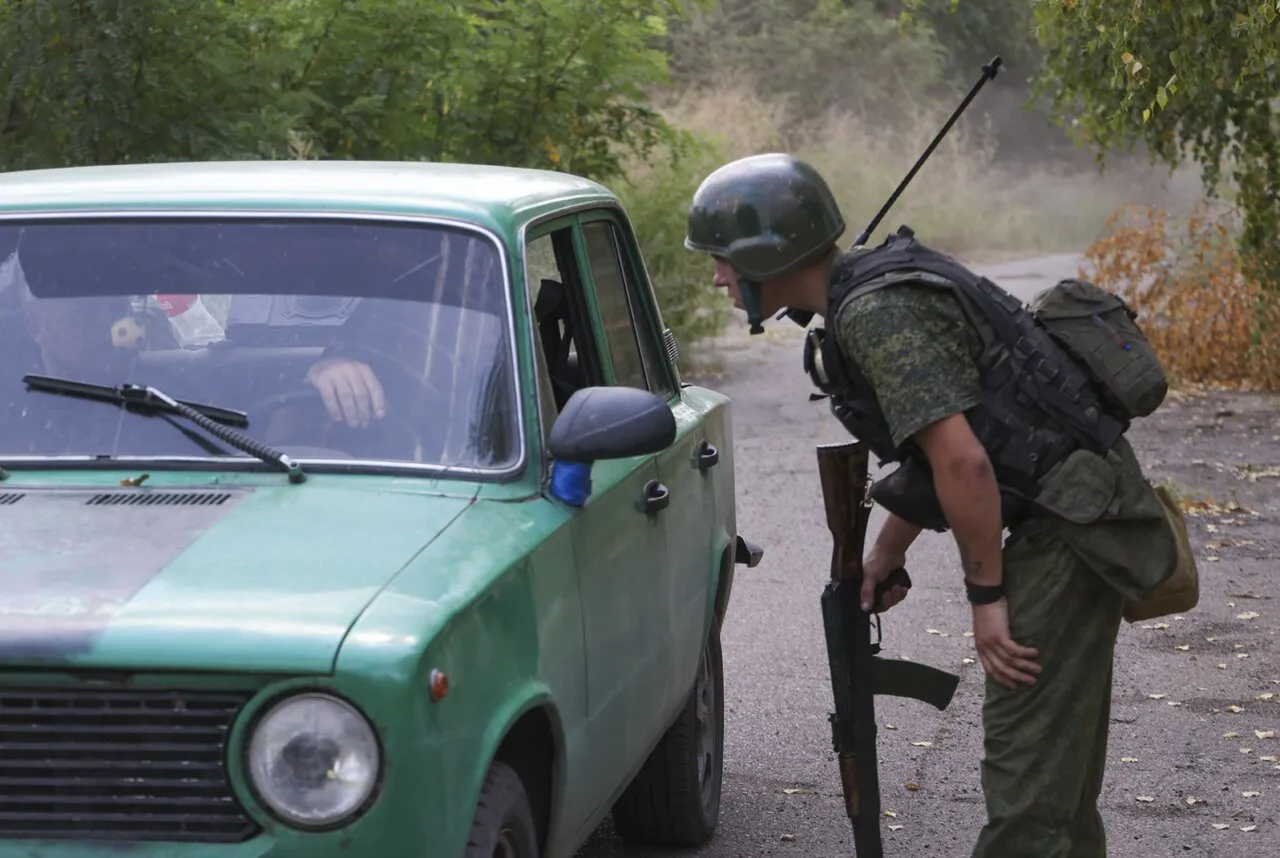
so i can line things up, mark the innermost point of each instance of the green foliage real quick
(542, 83)
(1186, 78)
(113, 81)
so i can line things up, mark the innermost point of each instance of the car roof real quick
(499, 198)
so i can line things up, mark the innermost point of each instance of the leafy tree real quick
(549, 83)
(1185, 78)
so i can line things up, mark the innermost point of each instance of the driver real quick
(92, 339)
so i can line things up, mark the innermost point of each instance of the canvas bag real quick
(1180, 592)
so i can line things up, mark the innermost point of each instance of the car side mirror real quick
(604, 423)
(611, 423)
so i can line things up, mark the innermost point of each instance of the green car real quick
(350, 509)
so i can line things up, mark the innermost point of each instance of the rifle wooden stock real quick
(856, 674)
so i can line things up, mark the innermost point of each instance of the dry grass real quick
(963, 200)
(1209, 324)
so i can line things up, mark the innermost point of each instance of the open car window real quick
(262, 316)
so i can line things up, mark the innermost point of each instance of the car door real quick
(634, 328)
(615, 539)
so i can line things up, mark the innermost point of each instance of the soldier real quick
(922, 370)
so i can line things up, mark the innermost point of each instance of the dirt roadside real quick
(1197, 703)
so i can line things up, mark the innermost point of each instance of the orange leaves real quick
(1208, 322)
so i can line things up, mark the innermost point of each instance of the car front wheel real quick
(675, 799)
(503, 826)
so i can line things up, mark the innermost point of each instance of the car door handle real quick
(656, 496)
(707, 456)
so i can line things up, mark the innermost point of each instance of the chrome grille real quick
(118, 765)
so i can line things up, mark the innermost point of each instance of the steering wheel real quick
(396, 430)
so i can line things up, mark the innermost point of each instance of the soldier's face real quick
(726, 278)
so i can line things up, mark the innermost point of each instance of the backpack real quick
(1100, 331)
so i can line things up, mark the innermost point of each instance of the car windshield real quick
(382, 341)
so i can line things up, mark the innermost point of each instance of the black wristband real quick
(983, 594)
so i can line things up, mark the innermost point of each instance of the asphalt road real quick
(781, 787)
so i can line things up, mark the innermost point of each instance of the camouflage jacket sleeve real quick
(916, 348)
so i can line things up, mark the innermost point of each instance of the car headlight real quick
(313, 760)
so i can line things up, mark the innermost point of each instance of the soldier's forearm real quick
(970, 499)
(895, 536)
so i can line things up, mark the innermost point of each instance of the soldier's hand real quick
(1004, 661)
(875, 568)
(350, 390)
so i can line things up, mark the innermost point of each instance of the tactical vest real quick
(1036, 407)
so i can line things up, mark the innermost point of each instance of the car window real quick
(562, 324)
(248, 314)
(541, 267)
(633, 345)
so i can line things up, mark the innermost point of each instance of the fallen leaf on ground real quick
(1145, 798)
(787, 838)
(1191, 799)
(1234, 708)
(1265, 734)
(1220, 825)
(923, 744)
(1182, 647)
(891, 813)
(890, 727)
(967, 661)
(1128, 759)
(1248, 615)
(1251, 793)
(1266, 695)
(798, 791)
(1232, 735)
(1248, 828)
(1155, 696)
(912, 785)
(1269, 758)
(932, 632)
(895, 827)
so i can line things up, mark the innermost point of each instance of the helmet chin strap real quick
(750, 292)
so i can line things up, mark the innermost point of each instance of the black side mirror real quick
(611, 423)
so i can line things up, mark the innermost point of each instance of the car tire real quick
(675, 799)
(503, 825)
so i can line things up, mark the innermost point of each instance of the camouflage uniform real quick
(1067, 571)
(1096, 536)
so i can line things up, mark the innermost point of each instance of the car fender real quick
(526, 698)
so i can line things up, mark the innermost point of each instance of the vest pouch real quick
(1180, 592)
(1079, 489)
(1099, 330)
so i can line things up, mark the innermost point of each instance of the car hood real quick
(233, 579)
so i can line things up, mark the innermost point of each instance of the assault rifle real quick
(857, 671)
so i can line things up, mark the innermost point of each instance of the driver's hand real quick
(350, 390)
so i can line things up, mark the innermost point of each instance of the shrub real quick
(1209, 323)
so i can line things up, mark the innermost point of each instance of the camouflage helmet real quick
(765, 214)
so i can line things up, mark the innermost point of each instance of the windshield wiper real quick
(132, 394)
(207, 417)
